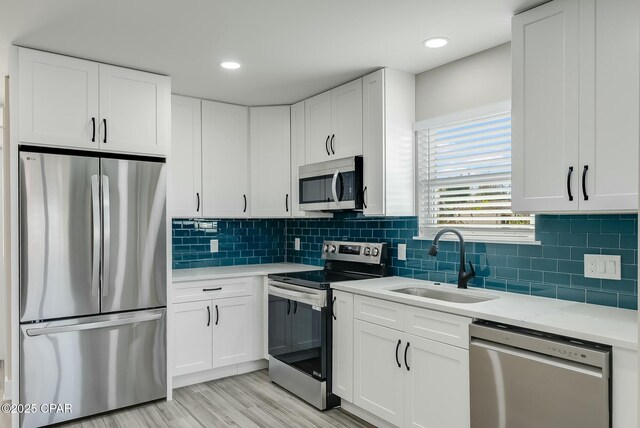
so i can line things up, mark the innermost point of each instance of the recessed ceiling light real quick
(435, 42)
(230, 65)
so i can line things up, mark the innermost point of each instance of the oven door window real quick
(298, 335)
(320, 189)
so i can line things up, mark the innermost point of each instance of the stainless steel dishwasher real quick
(523, 378)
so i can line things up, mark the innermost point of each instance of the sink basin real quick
(446, 296)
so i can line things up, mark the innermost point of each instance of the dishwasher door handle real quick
(543, 359)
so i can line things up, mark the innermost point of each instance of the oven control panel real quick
(364, 252)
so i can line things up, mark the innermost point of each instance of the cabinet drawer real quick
(381, 312)
(213, 289)
(438, 326)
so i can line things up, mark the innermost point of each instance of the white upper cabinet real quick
(225, 160)
(270, 161)
(58, 100)
(334, 123)
(134, 111)
(81, 104)
(545, 55)
(185, 185)
(318, 127)
(388, 105)
(609, 109)
(346, 117)
(575, 107)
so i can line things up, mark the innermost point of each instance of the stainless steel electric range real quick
(300, 318)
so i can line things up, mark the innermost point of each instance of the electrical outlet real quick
(402, 251)
(213, 245)
(602, 266)
(296, 244)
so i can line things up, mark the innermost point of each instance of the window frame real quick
(492, 235)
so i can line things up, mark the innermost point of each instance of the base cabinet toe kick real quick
(405, 366)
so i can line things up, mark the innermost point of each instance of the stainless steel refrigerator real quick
(92, 282)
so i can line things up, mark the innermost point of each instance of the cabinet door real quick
(342, 373)
(58, 100)
(378, 382)
(232, 331)
(192, 324)
(298, 155)
(545, 52)
(609, 86)
(185, 186)
(373, 148)
(318, 127)
(346, 111)
(437, 375)
(270, 161)
(225, 160)
(135, 111)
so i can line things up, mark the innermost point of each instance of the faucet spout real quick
(463, 276)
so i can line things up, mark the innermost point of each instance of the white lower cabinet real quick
(378, 373)
(215, 324)
(232, 331)
(192, 323)
(405, 379)
(437, 377)
(342, 345)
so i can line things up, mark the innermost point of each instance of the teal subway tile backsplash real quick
(553, 269)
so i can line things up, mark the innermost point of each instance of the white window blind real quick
(464, 174)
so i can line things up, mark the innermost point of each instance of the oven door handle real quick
(297, 296)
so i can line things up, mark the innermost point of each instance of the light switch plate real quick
(602, 266)
(296, 244)
(213, 247)
(402, 251)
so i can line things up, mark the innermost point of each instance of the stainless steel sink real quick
(442, 295)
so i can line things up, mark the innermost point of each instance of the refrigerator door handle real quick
(93, 325)
(106, 234)
(95, 251)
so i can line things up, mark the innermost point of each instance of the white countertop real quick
(202, 274)
(611, 326)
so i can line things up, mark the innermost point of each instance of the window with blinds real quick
(464, 174)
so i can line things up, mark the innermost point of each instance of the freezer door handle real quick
(95, 256)
(31, 332)
(106, 234)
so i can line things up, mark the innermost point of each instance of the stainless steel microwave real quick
(334, 185)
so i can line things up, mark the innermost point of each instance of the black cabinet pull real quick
(364, 193)
(397, 348)
(331, 144)
(333, 308)
(584, 182)
(244, 210)
(295, 307)
(212, 289)
(104, 121)
(93, 135)
(208, 316)
(326, 145)
(405, 356)
(286, 203)
(198, 201)
(217, 315)
(288, 306)
(569, 183)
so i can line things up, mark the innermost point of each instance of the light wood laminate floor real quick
(249, 400)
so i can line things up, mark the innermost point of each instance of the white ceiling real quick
(289, 49)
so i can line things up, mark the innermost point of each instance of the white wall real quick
(3, 315)
(478, 80)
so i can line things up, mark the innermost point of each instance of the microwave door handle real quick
(334, 186)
